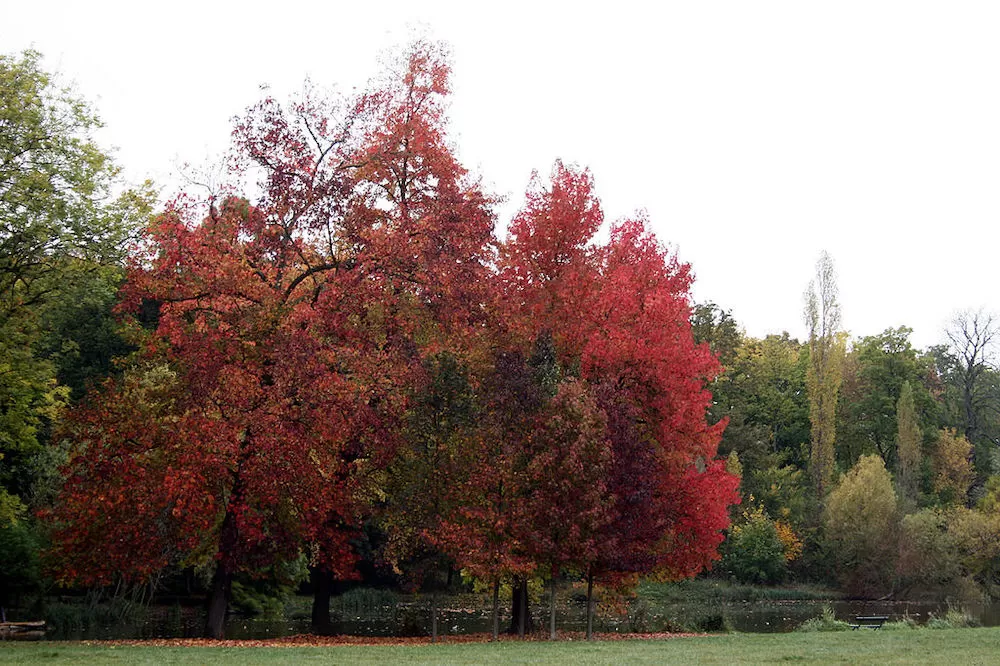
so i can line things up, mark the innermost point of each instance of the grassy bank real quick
(919, 646)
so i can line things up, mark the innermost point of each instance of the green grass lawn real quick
(919, 646)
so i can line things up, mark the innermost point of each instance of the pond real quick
(780, 616)
(411, 618)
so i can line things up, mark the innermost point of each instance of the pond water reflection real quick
(412, 619)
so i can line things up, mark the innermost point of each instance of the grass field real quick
(917, 646)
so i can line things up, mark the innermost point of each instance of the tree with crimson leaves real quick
(483, 532)
(288, 329)
(253, 457)
(620, 313)
(567, 507)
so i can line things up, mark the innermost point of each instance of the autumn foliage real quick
(354, 343)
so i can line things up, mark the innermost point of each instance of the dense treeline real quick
(332, 369)
(913, 507)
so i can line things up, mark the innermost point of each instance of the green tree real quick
(908, 446)
(55, 186)
(970, 374)
(62, 238)
(762, 394)
(826, 358)
(19, 563)
(716, 327)
(783, 491)
(431, 459)
(753, 552)
(875, 371)
(860, 527)
(30, 400)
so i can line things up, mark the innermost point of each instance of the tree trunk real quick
(321, 622)
(434, 617)
(218, 602)
(590, 605)
(222, 580)
(552, 608)
(520, 620)
(496, 608)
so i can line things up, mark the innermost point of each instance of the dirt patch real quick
(309, 640)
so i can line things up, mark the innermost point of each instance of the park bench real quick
(22, 630)
(869, 621)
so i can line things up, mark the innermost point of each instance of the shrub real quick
(826, 621)
(250, 599)
(754, 552)
(949, 549)
(790, 541)
(954, 618)
(959, 617)
(639, 615)
(266, 594)
(927, 551)
(367, 602)
(905, 624)
(19, 566)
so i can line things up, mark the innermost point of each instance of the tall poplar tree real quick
(823, 377)
(907, 446)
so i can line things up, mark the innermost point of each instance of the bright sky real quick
(756, 134)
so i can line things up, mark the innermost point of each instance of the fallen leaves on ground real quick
(309, 640)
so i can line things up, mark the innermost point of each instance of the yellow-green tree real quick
(823, 377)
(928, 552)
(953, 471)
(977, 533)
(754, 552)
(860, 522)
(952, 550)
(908, 440)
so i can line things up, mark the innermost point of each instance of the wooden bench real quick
(31, 631)
(872, 622)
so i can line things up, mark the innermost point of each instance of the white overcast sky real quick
(756, 134)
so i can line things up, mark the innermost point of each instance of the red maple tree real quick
(253, 457)
(292, 328)
(620, 313)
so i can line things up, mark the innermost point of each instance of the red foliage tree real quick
(484, 531)
(654, 377)
(620, 313)
(293, 327)
(252, 460)
(567, 506)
